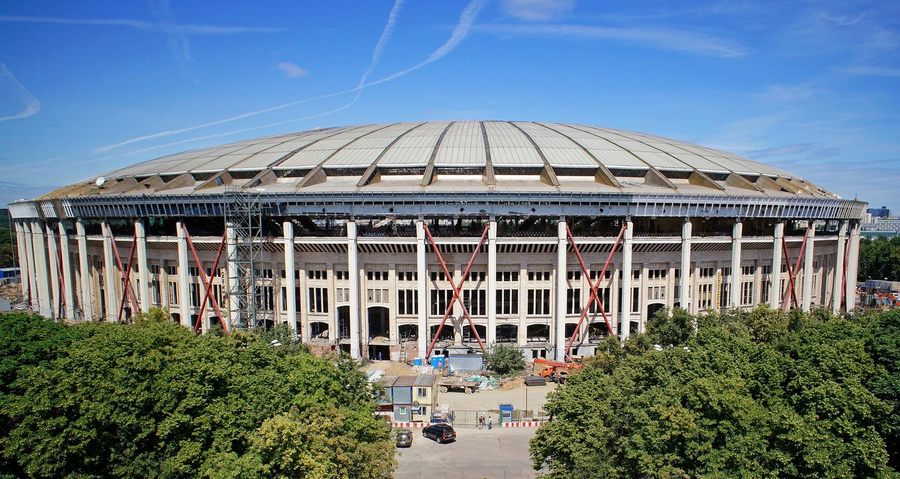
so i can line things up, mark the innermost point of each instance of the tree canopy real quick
(504, 359)
(749, 394)
(151, 399)
(879, 258)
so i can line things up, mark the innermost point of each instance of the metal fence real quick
(469, 417)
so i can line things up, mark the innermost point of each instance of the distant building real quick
(408, 398)
(882, 212)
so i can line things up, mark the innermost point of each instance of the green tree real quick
(671, 330)
(753, 394)
(504, 359)
(152, 399)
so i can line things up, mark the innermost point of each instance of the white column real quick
(492, 284)
(45, 306)
(353, 273)
(806, 300)
(53, 260)
(234, 303)
(290, 281)
(68, 285)
(143, 267)
(684, 280)
(627, 275)
(775, 277)
(109, 275)
(24, 272)
(184, 292)
(422, 290)
(31, 262)
(87, 293)
(852, 266)
(734, 300)
(839, 269)
(561, 286)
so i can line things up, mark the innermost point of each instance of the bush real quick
(504, 359)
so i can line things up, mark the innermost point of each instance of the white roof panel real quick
(515, 157)
(460, 156)
(571, 157)
(618, 159)
(407, 157)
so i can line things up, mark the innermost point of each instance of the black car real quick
(404, 438)
(440, 432)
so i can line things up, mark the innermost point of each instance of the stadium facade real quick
(551, 235)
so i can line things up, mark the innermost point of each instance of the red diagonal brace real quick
(127, 288)
(456, 289)
(203, 278)
(215, 271)
(791, 292)
(595, 285)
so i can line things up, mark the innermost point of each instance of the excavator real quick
(556, 371)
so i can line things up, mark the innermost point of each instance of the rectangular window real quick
(339, 274)
(193, 271)
(343, 295)
(195, 295)
(635, 300)
(317, 274)
(508, 301)
(603, 294)
(573, 301)
(475, 301)
(377, 275)
(154, 291)
(407, 274)
(440, 298)
(573, 276)
(173, 293)
(438, 276)
(476, 276)
(746, 293)
(539, 301)
(538, 276)
(377, 295)
(705, 296)
(407, 301)
(318, 300)
(422, 392)
(507, 275)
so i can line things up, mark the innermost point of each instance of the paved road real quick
(499, 453)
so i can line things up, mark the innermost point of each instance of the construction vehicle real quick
(556, 371)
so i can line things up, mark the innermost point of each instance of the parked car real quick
(440, 432)
(404, 438)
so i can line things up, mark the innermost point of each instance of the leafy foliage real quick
(6, 241)
(879, 258)
(504, 359)
(151, 399)
(750, 394)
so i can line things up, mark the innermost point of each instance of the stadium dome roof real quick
(438, 156)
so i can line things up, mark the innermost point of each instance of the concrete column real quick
(42, 276)
(836, 291)
(737, 233)
(109, 276)
(353, 273)
(806, 299)
(24, 272)
(684, 280)
(53, 261)
(87, 293)
(492, 284)
(290, 281)
(68, 286)
(422, 289)
(234, 303)
(143, 267)
(627, 275)
(852, 266)
(561, 286)
(775, 277)
(184, 291)
(31, 262)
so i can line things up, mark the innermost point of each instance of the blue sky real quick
(811, 87)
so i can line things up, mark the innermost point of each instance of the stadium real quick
(405, 240)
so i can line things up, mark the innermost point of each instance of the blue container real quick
(437, 362)
(417, 362)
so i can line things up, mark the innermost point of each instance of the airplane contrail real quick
(462, 29)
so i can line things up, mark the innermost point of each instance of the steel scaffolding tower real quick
(243, 218)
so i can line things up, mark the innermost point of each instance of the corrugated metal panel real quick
(254, 162)
(465, 362)
(568, 157)
(618, 159)
(504, 135)
(661, 161)
(407, 157)
(515, 157)
(464, 134)
(460, 156)
(354, 158)
(305, 159)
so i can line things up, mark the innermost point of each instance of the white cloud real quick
(538, 10)
(292, 70)
(186, 29)
(675, 40)
(16, 102)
